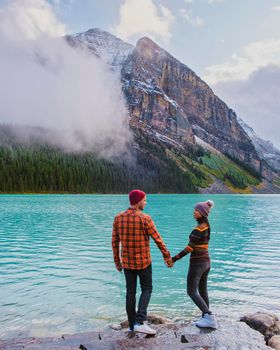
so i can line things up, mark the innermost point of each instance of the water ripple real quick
(57, 273)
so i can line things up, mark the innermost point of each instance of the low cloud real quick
(256, 101)
(144, 18)
(28, 19)
(45, 82)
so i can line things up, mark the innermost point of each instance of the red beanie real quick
(135, 196)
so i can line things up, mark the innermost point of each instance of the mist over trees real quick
(28, 168)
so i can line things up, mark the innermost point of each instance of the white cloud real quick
(188, 15)
(214, 1)
(256, 100)
(189, 1)
(29, 19)
(276, 8)
(249, 82)
(45, 82)
(144, 18)
(239, 67)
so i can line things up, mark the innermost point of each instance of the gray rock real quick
(274, 342)
(266, 324)
(231, 335)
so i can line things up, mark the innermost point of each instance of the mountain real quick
(168, 102)
(186, 139)
(265, 149)
(167, 96)
(104, 45)
(171, 98)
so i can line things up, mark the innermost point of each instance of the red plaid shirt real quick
(132, 229)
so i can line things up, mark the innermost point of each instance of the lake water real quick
(57, 274)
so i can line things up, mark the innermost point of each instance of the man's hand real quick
(119, 267)
(169, 262)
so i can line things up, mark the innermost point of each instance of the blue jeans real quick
(145, 277)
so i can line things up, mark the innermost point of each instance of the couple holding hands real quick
(132, 230)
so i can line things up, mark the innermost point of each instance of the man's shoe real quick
(144, 328)
(207, 321)
(130, 333)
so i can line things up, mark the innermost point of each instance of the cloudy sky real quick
(234, 45)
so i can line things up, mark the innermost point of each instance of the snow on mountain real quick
(112, 49)
(265, 148)
(170, 98)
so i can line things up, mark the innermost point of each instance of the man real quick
(132, 229)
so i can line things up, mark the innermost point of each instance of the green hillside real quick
(232, 174)
(154, 166)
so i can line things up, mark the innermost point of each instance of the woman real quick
(199, 263)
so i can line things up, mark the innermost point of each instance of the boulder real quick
(274, 342)
(267, 324)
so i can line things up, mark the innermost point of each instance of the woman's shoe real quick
(207, 321)
(195, 322)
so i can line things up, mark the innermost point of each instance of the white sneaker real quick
(144, 328)
(207, 321)
(195, 322)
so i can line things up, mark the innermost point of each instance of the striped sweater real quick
(197, 246)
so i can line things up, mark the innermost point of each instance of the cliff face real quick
(147, 92)
(168, 96)
(170, 103)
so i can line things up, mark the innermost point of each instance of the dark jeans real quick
(145, 276)
(197, 284)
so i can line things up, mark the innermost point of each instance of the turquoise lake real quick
(57, 274)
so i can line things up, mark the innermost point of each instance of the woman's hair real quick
(202, 219)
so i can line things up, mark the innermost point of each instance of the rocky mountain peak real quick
(173, 100)
(165, 96)
(148, 49)
(105, 45)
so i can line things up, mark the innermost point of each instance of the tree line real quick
(46, 169)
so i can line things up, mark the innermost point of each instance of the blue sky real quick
(210, 33)
(234, 45)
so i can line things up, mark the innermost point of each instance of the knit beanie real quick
(135, 196)
(204, 207)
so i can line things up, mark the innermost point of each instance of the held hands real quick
(169, 262)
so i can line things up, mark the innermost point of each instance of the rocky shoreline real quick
(257, 331)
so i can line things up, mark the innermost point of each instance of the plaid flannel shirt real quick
(132, 230)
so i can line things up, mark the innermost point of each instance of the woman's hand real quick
(169, 262)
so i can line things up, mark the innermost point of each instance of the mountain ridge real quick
(186, 139)
(169, 102)
(148, 48)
